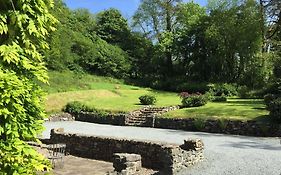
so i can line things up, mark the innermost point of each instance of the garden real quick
(218, 67)
(112, 95)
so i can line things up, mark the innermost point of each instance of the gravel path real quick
(225, 154)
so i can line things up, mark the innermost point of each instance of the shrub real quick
(193, 87)
(243, 92)
(222, 98)
(147, 100)
(193, 100)
(222, 123)
(199, 123)
(274, 88)
(209, 95)
(275, 109)
(74, 107)
(268, 98)
(226, 89)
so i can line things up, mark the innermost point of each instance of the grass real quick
(69, 81)
(121, 100)
(113, 95)
(235, 109)
(105, 93)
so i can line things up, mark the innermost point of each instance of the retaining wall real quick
(167, 158)
(249, 128)
(112, 119)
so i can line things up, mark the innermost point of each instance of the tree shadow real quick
(245, 102)
(252, 144)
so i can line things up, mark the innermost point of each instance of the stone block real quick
(192, 144)
(129, 163)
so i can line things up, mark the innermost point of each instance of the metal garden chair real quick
(56, 154)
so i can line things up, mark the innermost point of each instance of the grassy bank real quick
(235, 109)
(113, 95)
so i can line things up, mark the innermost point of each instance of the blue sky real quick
(127, 7)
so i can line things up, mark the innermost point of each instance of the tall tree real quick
(24, 26)
(112, 27)
(157, 19)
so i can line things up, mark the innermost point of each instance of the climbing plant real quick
(24, 28)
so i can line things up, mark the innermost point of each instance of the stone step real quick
(135, 123)
(137, 117)
(132, 119)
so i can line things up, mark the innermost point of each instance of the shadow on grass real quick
(246, 102)
(263, 119)
(261, 108)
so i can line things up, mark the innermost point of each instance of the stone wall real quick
(167, 158)
(60, 117)
(250, 128)
(112, 119)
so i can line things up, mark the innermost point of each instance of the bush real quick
(193, 87)
(274, 88)
(268, 98)
(219, 98)
(243, 92)
(147, 100)
(74, 107)
(226, 89)
(193, 100)
(275, 109)
(199, 123)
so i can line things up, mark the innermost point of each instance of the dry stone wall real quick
(60, 117)
(250, 128)
(112, 119)
(164, 157)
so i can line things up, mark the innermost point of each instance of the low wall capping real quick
(168, 158)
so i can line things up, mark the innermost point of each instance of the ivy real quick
(24, 28)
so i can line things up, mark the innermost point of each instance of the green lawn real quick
(112, 94)
(236, 109)
(115, 100)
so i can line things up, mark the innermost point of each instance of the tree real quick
(190, 45)
(24, 26)
(112, 27)
(156, 18)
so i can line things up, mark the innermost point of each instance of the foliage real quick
(273, 88)
(112, 27)
(102, 58)
(147, 99)
(243, 91)
(24, 27)
(275, 109)
(223, 89)
(222, 123)
(74, 107)
(268, 98)
(210, 48)
(193, 87)
(76, 46)
(193, 100)
(199, 123)
(221, 98)
(259, 72)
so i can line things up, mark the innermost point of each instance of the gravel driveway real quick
(224, 154)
